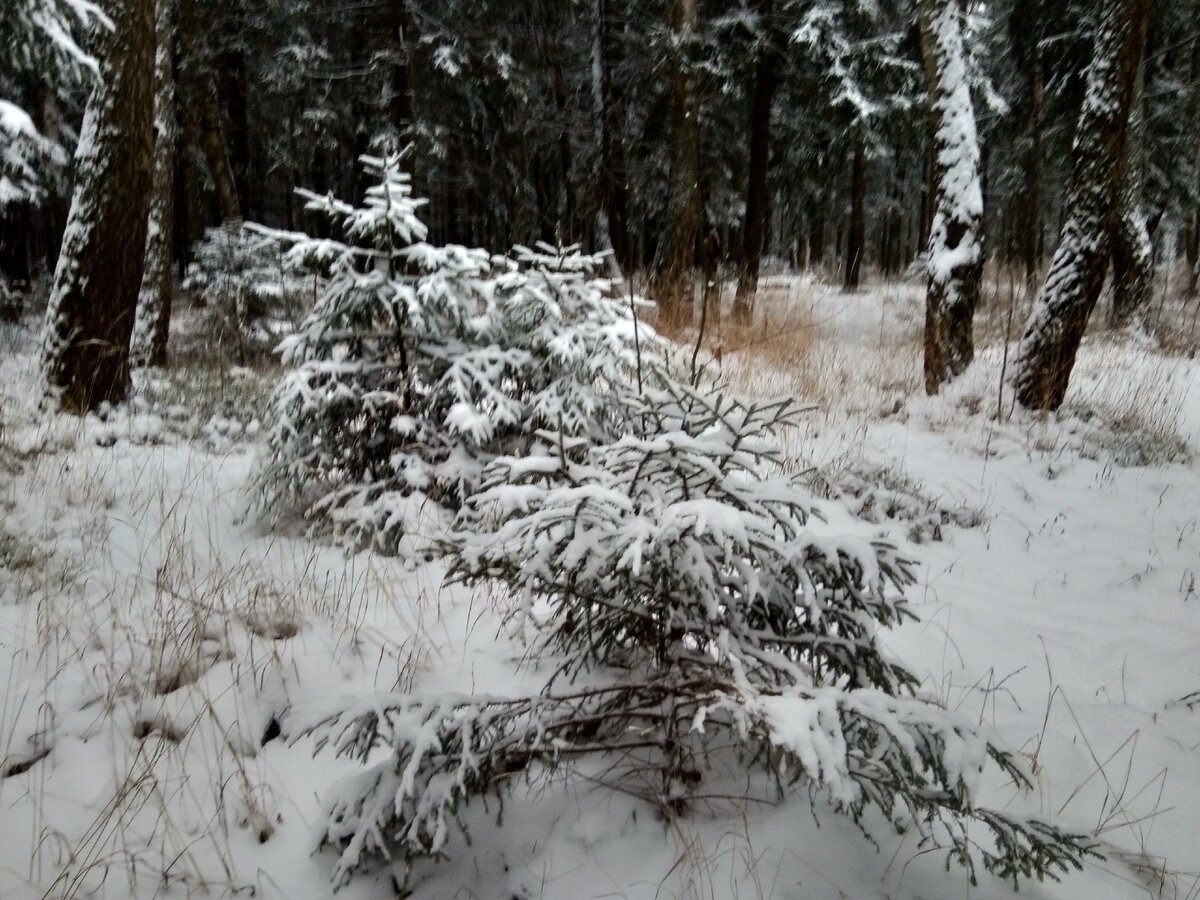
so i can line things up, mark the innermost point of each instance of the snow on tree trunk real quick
(85, 351)
(1132, 252)
(149, 343)
(1132, 259)
(1055, 329)
(685, 206)
(955, 246)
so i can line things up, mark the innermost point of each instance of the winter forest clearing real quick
(612, 449)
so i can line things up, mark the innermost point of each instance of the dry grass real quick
(795, 347)
(139, 618)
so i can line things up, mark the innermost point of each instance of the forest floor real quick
(153, 643)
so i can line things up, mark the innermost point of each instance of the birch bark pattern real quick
(955, 259)
(1055, 328)
(85, 348)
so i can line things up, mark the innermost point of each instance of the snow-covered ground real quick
(153, 644)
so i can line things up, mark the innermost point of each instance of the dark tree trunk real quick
(685, 207)
(927, 193)
(15, 220)
(613, 219)
(1030, 228)
(816, 233)
(215, 152)
(231, 97)
(85, 353)
(1191, 247)
(1191, 253)
(955, 237)
(191, 225)
(755, 224)
(892, 252)
(1055, 329)
(1132, 252)
(149, 343)
(567, 227)
(400, 99)
(856, 236)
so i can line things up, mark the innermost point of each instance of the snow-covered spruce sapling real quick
(420, 364)
(684, 596)
(249, 295)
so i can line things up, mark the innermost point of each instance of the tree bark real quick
(1191, 253)
(85, 350)
(1191, 238)
(1031, 227)
(685, 207)
(567, 226)
(612, 220)
(202, 116)
(815, 236)
(149, 342)
(1055, 329)
(400, 98)
(755, 223)
(212, 140)
(856, 236)
(955, 236)
(189, 196)
(1132, 252)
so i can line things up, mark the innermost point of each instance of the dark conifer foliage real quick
(696, 140)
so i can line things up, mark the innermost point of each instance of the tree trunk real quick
(149, 342)
(190, 197)
(1191, 247)
(567, 227)
(755, 224)
(685, 207)
(215, 152)
(1191, 253)
(613, 217)
(15, 221)
(400, 99)
(1132, 252)
(1055, 329)
(955, 243)
(816, 233)
(856, 237)
(202, 115)
(85, 351)
(234, 126)
(1031, 226)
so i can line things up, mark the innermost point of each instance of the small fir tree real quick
(685, 598)
(249, 295)
(419, 364)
